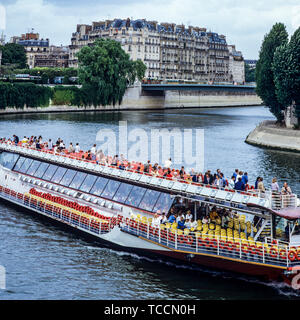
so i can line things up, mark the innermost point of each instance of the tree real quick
(13, 53)
(286, 69)
(105, 71)
(265, 86)
(249, 73)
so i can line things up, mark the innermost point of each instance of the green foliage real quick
(14, 54)
(105, 71)
(265, 86)
(286, 69)
(70, 96)
(20, 95)
(249, 73)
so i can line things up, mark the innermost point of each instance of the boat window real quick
(8, 159)
(19, 163)
(123, 192)
(99, 186)
(135, 196)
(34, 166)
(88, 183)
(149, 200)
(58, 175)
(41, 170)
(68, 177)
(25, 165)
(110, 189)
(163, 203)
(78, 179)
(50, 172)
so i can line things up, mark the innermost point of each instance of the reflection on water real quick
(44, 262)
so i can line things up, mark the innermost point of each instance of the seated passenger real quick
(239, 185)
(189, 215)
(156, 221)
(164, 218)
(187, 224)
(194, 223)
(172, 218)
(181, 223)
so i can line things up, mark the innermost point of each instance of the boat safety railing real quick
(280, 201)
(193, 243)
(250, 192)
(61, 213)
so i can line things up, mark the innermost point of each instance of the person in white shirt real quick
(156, 221)
(189, 216)
(194, 223)
(187, 223)
(168, 163)
(77, 148)
(164, 219)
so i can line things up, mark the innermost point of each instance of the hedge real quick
(19, 95)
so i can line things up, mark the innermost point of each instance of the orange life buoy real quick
(273, 252)
(282, 253)
(292, 255)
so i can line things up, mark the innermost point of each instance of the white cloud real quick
(243, 22)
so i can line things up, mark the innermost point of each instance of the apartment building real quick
(168, 50)
(236, 65)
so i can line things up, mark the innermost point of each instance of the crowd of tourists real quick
(239, 179)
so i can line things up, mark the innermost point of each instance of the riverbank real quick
(269, 135)
(137, 99)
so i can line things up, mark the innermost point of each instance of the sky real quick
(243, 22)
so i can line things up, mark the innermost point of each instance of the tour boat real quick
(116, 208)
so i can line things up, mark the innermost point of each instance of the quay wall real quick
(268, 135)
(137, 99)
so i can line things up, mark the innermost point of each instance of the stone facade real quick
(236, 65)
(34, 46)
(168, 50)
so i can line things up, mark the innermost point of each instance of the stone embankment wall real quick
(136, 99)
(267, 134)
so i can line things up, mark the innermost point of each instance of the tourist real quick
(231, 182)
(147, 167)
(286, 189)
(156, 221)
(239, 185)
(275, 185)
(93, 152)
(164, 218)
(50, 144)
(168, 163)
(172, 218)
(256, 183)
(71, 148)
(187, 224)
(77, 148)
(181, 223)
(16, 139)
(235, 174)
(189, 215)
(260, 185)
(194, 224)
(245, 178)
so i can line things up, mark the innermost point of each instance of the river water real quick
(45, 262)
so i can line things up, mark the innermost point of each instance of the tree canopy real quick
(13, 53)
(286, 70)
(105, 71)
(265, 86)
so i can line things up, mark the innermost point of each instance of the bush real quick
(19, 95)
(70, 96)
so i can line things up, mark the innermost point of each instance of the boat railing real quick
(61, 213)
(193, 243)
(250, 192)
(279, 200)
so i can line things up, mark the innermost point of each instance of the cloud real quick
(243, 22)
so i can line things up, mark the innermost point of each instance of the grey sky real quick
(243, 22)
